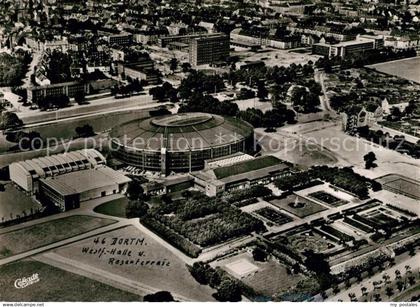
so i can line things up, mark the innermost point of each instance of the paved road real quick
(392, 132)
(36, 56)
(43, 118)
(413, 262)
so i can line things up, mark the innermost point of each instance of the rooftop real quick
(85, 180)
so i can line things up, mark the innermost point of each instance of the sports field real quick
(401, 185)
(268, 278)
(406, 68)
(31, 237)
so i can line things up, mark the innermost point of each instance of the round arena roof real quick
(181, 132)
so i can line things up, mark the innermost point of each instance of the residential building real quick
(209, 49)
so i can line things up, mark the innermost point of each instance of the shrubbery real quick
(171, 236)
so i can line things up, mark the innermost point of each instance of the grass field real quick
(379, 218)
(328, 199)
(66, 129)
(274, 215)
(401, 185)
(270, 279)
(246, 166)
(309, 241)
(406, 68)
(173, 277)
(28, 238)
(14, 203)
(308, 207)
(55, 285)
(115, 207)
(407, 295)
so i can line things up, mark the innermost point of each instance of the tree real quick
(58, 67)
(317, 263)
(386, 278)
(352, 297)
(411, 108)
(259, 254)
(134, 190)
(389, 291)
(158, 93)
(395, 114)
(186, 67)
(79, 97)
(229, 291)
(364, 291)
(9, 120)
(161, 296)
(400, 285)
(173, 64)
(198, 271)
(136, 208)
(85, 131)
(305, 101)
(262, 91)
(369, 159)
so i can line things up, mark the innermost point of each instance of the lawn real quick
(246, 166)
(304, 207)
(115, 207)
(173, 276)
(270, 279)
(309, 241)
(66, 129)
(28, 238)
(273, 215)
(380, 219)
(409, 126)
(14, 203)
(401, 185)
(407, 295)
(55, 285)
(328, 199)
(202, 220)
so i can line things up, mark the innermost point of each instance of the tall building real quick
(209, 49)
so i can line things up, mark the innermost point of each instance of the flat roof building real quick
(209, 49)
(240, 175)
(27, 174)
(348, 48)
(67, 191)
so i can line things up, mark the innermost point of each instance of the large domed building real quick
(180, 142)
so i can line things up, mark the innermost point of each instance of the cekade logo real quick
(21, 283)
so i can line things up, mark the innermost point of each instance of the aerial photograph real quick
(209, 151)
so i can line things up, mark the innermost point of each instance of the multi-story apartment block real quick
(209, 49)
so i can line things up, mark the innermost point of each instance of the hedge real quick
(171, 236)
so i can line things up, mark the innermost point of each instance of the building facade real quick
(209, 49)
